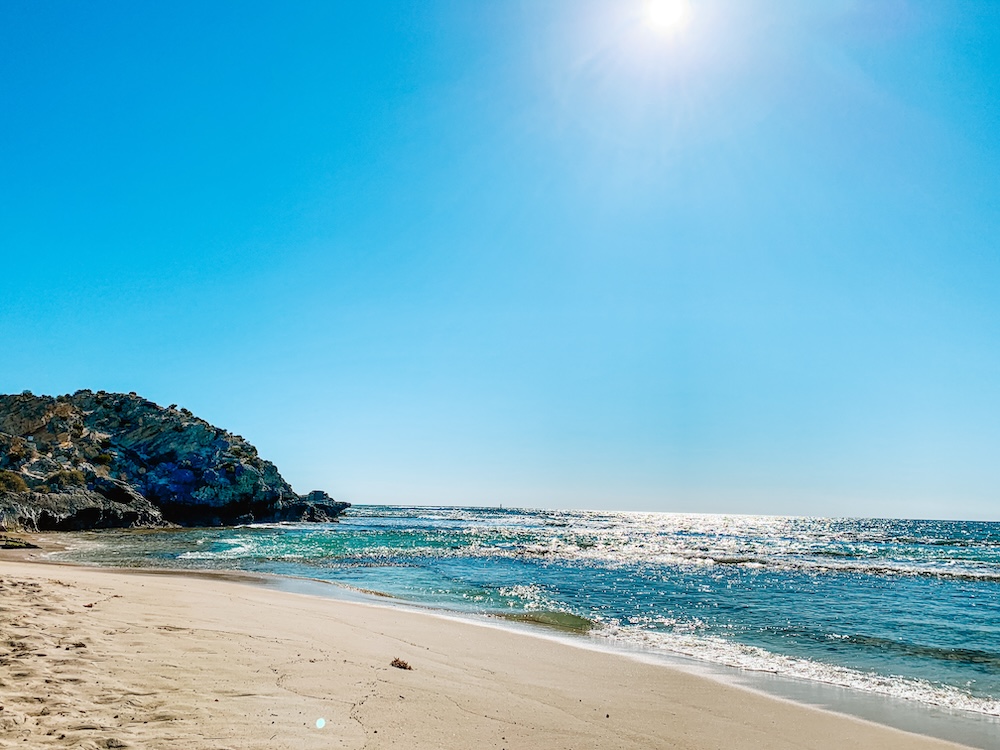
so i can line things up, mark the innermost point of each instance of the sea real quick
(897, 617)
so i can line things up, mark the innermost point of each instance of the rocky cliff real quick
(104, 460)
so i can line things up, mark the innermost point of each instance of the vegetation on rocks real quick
(12, 482)
(66, 478)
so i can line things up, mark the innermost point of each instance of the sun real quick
(667, 15)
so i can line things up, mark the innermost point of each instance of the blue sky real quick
(530, 253)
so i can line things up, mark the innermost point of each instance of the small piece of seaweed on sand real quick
(399, 664)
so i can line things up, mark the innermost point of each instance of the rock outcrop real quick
(110, 460)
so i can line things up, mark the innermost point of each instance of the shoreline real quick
(965, 728)
(481, 676)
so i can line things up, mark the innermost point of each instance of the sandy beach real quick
(93, 658)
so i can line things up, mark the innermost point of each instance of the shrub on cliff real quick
(68, 478)
(12, 482)
(19, 449)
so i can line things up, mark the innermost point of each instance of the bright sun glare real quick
(667, 15)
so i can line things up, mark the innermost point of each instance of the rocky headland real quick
(112, 460)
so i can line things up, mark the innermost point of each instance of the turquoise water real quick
(909, 609)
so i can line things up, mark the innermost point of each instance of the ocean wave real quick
(963, 655)
(881, 568)
(683, 558)
(752, 658)
(553, 619)
(607, 548)
(600, 552)
(234, 548)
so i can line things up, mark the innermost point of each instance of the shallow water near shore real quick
(905, 610)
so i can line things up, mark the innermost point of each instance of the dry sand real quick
(92, 658)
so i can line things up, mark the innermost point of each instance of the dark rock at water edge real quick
(110, 460)
(9, 542)
(75, 510)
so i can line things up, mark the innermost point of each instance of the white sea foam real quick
(731, 654)
(236, 548)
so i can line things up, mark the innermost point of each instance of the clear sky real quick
(530, 252)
